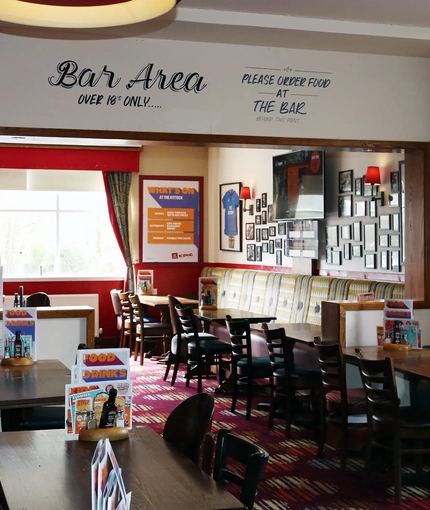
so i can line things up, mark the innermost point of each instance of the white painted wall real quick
(114, 84)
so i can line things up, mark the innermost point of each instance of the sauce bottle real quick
(107, 418)
(18, 345)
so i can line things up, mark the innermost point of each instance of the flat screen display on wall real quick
(298, 185)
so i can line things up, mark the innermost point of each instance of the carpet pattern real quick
(295, 478)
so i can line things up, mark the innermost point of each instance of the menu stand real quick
(111, 433)
(17, 362)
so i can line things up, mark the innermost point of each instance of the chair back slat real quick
(240, 337)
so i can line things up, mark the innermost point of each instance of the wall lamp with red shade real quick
(373, 177)
(245, 194)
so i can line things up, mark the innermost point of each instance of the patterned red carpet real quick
(295, 478)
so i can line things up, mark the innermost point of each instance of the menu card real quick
(145, 281)
(208, 292)
(94, 365)
(23, 320)
(82, 398)
(401, 311)
(107, 486)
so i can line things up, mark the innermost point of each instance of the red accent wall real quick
(35, 158)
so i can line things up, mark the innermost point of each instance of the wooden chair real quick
(246, 370)
(204, 349)
(178, 346)
(342, 408)
(394, 429)
(287, 381)
(37, 299)
(188, 424)
(128, 330)
(245, 454)
(147, 331)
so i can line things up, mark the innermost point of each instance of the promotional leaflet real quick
(399, 324)
(19, 324)
(145, 281)
(95, 365)
(107, 485)
(83, 398)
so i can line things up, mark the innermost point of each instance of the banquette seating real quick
(289, 297)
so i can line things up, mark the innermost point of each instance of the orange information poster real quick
(171, 220)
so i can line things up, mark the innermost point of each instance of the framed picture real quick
(249, 231)
(356, 250)
(345, 206)
(265, 247)
(264, 234)
(336, 258)
(383, 259)
(258, 219)
(258, 235)
(369, 261)
(250, 252)
(258, 205)
(263, 217)
(358, 187)
(384, 222)
(271, 246)
(329, 256)
(258, 254)
(282, 228)
(345, 181)
(395, 240)
(332, 235)
(360, 208)
(272, 231)
(372, 208)
(264, 200)
(370, 237)
(230, 209)
(279, 257)
(356, 231)
(395, 260)
(278, 243)
(270, 213)
(345, 231)
(393, 200)
(394, 182)
(347, 251)
(395, 222)
(367, 190)
(383, 240)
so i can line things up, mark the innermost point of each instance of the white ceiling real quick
(386, 27)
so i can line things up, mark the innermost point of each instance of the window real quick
(57, 233)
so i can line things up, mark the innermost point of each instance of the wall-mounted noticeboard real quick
(171, 219)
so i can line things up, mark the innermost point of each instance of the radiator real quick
(69, 300)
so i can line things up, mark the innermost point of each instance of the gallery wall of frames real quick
(362, 228)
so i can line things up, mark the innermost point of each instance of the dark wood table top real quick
(41, 469)
(415, 362)
(163, 301)
(219, 314)
(36, 385)
(300, 332)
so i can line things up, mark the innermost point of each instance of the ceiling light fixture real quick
(82, 13)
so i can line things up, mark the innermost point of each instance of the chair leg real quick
(344, 448)
(168, 365)
(323, 431)
(289, 402)
(175, 371)
(397, 474)
(235, 389)
(272, 405)
(142, 357)
(248, 398)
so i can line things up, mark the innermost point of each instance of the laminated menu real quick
(96, 365)
(84, 398)
(19, 324)
(208, 292)
(107, 485)
(400, 327)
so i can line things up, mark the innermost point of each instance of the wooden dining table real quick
(35, 385)
(41, 469)
(301, 332)
(162, 304)
(218, 315)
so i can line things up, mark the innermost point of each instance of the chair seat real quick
(210, 344)
(260, 368)
(356, 401)
(409, 418)
(310, 374)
